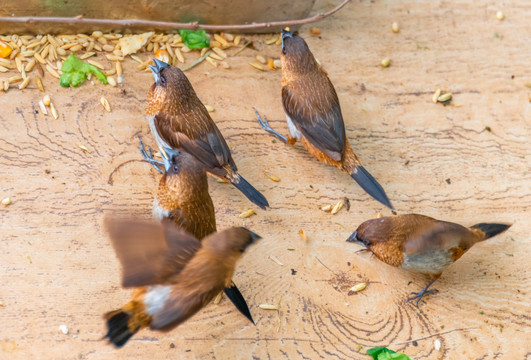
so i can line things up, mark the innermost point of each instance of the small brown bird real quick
(182, 197)
(314, 115)
(174, 275)
(180, 121)
(420, 243)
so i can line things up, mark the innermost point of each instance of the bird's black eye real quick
(284, 50)
(162, 80)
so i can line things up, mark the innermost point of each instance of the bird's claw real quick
(149, 157)
(419, 295)
(264, 124)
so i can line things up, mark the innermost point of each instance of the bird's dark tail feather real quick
(118, 328)
(236, 297)
(370, 185)
(491, 230)
(249, 191)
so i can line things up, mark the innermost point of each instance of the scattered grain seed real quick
(261, 59)
(237, 40)
(83, 147)
(221, 40)
(24, 83)
(275, 260)
(39, 58)
(3, 69)
(395, 27)
(114, 57)
(271, 41)
(220, 52)
(500, 16)
(211, 61)
(64, 329)
(6, 201)
(225, 65)
(271, 63)
(110, 72)
(119, 70)
(29, 259)
(326, 208)
(97, 34)
(61, 51)
(445, 97)
(185, 49)
(337, 207)
(87, 55)
(315, 31)
(386, 62)
(52, 71)
(179, 55)
(27, 53)
(75, 48)
(217, 300)
(228, 36)
(105, 104)
(96, 64)
(247, 213)
(108, 48)
(222, 181)
(257, 66)
(279, 41)
(2, 304)
(30, 65)
(209, 108)
(379, 215)
(18, 62)
(6, 85)
(436, 95)
(15, 79)
(54, 111)
(357, 288)
(271, 176)
(46, 100)
(137, 59)
(111, 81)
(268, 307)
(303, 235)
(277, 63)
(216, 57)
(43, 108)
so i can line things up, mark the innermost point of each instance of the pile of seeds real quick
(33, 56)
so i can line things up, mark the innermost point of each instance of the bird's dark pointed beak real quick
(353, 238)
(254, 236)
(159, 66)
(286, 33)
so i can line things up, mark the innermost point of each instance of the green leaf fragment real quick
(382, 353)
(75, 71)
(194, 39)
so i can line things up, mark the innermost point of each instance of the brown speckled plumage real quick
(183, 197)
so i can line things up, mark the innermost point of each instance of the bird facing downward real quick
(314, 115)
(174, 275)
(420, 243)
(182, 197)
(180, 121)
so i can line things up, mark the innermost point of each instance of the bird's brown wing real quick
(150, 252)
(315, 111)
(199, 136)
(437, 235)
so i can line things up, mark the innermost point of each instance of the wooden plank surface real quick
(57, 265)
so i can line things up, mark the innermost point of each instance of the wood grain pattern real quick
(58, 267)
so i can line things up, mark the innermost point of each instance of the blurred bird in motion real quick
(174, 275)
(180, 121)
(314, 115)
(420, 243)
(182, 198)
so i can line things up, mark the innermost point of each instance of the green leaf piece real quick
(75, 72)
(382, 353)
(194, 39)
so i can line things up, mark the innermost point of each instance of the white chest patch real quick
(429, 263)
(293, 131)
(158, 212)
(153, 128)
(156, 297)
